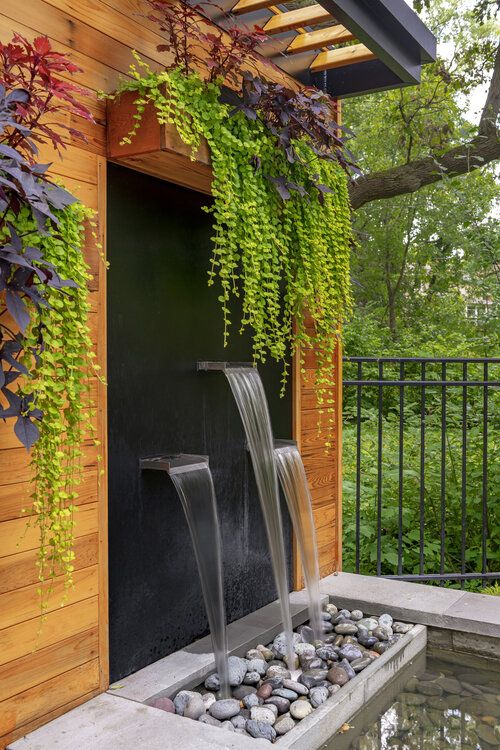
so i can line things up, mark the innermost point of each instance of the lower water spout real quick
(192, 479)
(293, 480)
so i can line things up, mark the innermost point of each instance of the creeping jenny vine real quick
(282, 228)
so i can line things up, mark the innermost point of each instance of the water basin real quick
(450, 702)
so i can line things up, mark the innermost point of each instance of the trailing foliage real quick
(282, 232)
(45, 345)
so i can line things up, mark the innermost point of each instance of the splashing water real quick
(293, 479)
(250, 397)
(195, 488)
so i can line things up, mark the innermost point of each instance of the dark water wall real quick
(162, 318)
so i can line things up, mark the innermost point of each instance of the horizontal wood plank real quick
(295, 19)
(24, 604)
(35, 669)
(310, 40)
(16, 536)
(34, 635)
(20, 570)
(27, 706)
(339, 58)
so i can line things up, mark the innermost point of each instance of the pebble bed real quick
(269, 696)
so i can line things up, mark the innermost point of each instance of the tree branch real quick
(407, 178)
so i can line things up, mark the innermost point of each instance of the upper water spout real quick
(250, 397)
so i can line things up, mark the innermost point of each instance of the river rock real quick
(343, 614)
(251, 678)
(429, 688)
(297, 687)
(385, 621)
(487, 734)
(326, 616)
(242, 690)
(266, 653)
(261, 729)
(257, 665)
(166, 704)
(182, 699)
(290, 695)
(239, 721)
(212, 682)
(237, 668)
(350, 652)
(306, 634)
(264, 714)
(368, 623)
(211, 720)
(327, 653)
(331, 609)
(282, 704)
(208, 699)
(300, 709)
(346, 628)
(356, 615)
(332, 689)
(381, 633)
(224, 709)
(312, 677)
(401, 627)
(195, 707)
(359, 664)
(348, 669)
(253, 653)
(366, 640)
(284, 724)
(265, 691)
(280, 643)
(337, 675)
(317, 696)
(249, 701)
(305, 649)
(380, 648)
(276, 670)
(450, 685)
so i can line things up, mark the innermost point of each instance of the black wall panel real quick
(162, 318)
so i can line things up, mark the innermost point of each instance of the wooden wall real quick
(44, 676)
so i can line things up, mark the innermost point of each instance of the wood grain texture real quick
(69, 663)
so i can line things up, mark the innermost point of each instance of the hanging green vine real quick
(60, 387)
(282, 229)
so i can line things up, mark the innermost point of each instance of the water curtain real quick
(250, 397)
(192, 479)
(293, 480)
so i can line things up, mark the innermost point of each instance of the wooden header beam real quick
(311, 40)
(338, 58)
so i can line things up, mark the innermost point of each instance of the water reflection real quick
(451, 705)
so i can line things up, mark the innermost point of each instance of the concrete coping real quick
(452, 609)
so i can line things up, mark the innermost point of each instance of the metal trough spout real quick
(284, 445)
(221, 366)
(174, 463)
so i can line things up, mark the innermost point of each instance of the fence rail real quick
(420, 373)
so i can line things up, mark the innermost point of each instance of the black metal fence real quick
(441, 411)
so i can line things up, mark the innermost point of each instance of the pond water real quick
(448, 703)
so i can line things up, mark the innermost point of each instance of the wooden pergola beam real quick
(248, 6)
(296, 19)
(319, 38)
(338, 58)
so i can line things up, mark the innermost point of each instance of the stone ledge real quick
(452, 609)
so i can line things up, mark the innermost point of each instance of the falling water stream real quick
(192, 479)
(250, 397)
(294, 482)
